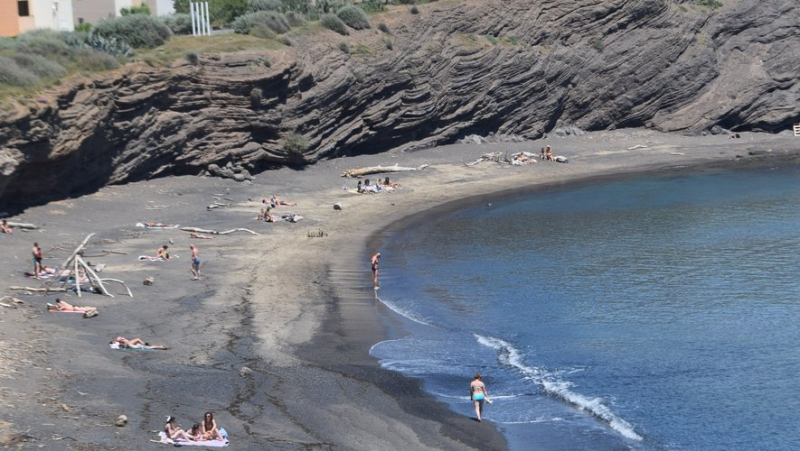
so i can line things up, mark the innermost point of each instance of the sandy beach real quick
(275, 338)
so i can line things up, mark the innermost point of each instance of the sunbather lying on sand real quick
(63, 306)
(274, 201)
(135, 343)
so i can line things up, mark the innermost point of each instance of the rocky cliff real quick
(459, 67)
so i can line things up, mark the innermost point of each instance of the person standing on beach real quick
(195, 262)
(374, 263)
(478, 393)
(37, 259)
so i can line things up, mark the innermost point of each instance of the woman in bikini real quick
(478, 393)
(63, 306)
(135, 343)
(175, 432)
(374, 263)
(209, 427)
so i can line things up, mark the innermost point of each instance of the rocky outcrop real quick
(510, 67)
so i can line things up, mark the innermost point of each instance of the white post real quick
(192, 13)
(201, 19)
(208, 21)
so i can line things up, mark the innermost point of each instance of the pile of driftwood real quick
(360, 172)
(497, 157)
(75, 268)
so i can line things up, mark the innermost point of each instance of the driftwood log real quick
(497, 157)
(22, 225)
(214, 232)
(358, 172)
(38, 290)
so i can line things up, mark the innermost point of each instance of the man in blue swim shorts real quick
(195, 262)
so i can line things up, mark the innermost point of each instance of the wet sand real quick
(295, 308)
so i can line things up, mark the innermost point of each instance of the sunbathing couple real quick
(135, 343)
(63, 306)
(547, 154)
(274, 201)
(265, 215)
(200, 432)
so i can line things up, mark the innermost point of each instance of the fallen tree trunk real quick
(120, 282)
(358, 172)
(22, 225)
(38, 290)
(214, 232)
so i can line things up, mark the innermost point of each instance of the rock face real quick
(510, 67)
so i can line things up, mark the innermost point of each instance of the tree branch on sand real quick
(214, 232)
(358, 172)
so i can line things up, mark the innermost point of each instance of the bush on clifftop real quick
(334, 23)
(271, 20)
(136, 30)
(354, 17)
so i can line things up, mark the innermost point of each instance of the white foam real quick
(402, 312)
(509, 355)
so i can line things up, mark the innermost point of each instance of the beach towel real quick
(150, 258)
(291, 217)
(560, 159)
(162, 438)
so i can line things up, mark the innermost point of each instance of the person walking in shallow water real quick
(374, 263)
(478, 394)
(195, 262)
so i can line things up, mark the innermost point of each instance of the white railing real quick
(797, 130)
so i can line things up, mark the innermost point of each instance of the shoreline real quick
(297, 311)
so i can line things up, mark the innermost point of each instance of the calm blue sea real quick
(658, 312)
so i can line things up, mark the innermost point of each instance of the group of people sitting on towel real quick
(378, 187)
(205, 430)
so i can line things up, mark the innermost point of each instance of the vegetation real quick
(354, 17)
(383, 27)
(264, 5)
(143, 9)
(295, 146)
(193, 58)
(414, 9)
(597, 44)
(271, 20)
(256, 95)
(334, 23)
(85, 27)
(373, 6)
(713, 4)
(345, 47)
(221, 12)
(492, 39)
(136, 30)
(178, 23)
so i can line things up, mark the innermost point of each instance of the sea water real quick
(658, 312)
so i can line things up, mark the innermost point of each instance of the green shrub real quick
(143, 9)
(193, 58)
(491, 39)
(136, 30)
(295, 146)
(383, 27)
(597, 44)
(388, 43)
(414, 10)
(286, 41)
(38, 65)
(345, 47)
(713, 4)
(13, 75)
(373, 6)
(256, 95)
(178, 23)
(264, 5)
(271, 20)
(295, 19)
(334, 23)
(86, 26)
(406, 2)
(110, 45)
(354, 17)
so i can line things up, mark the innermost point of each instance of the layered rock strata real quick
(512, 67)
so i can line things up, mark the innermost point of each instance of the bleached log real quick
(120, 282)
(93, 277)
(214, 232)
(76, 275)
(38, 290)
(22, 225)
(358, 172)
